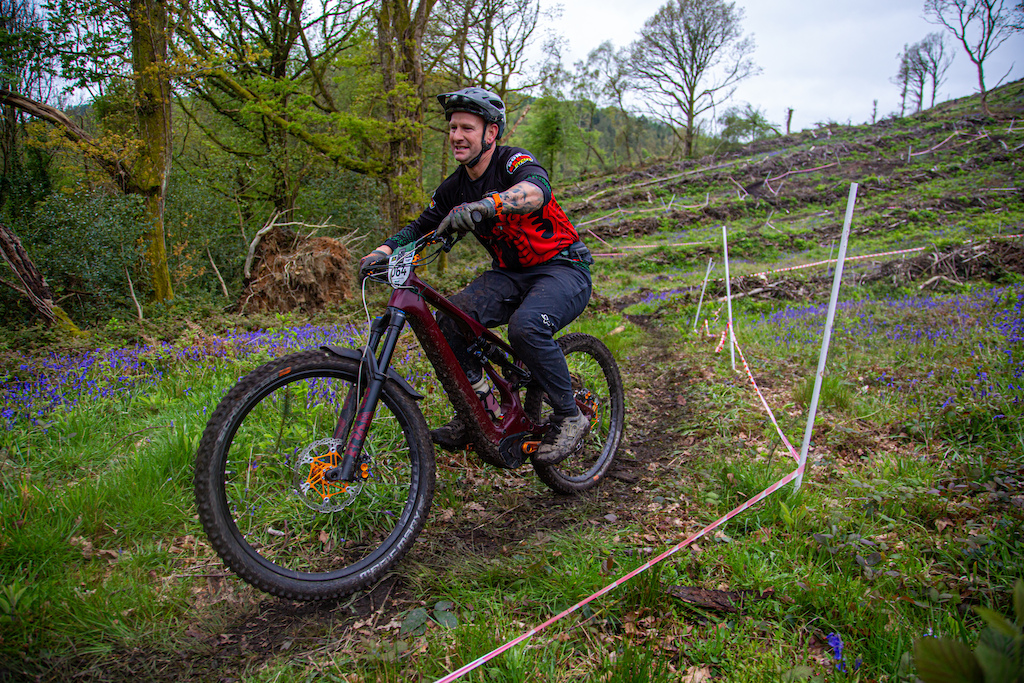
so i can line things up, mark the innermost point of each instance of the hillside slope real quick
(939, 178)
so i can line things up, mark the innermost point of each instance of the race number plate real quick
(400, 267)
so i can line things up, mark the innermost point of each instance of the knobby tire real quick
(268, 512)
(597, 383)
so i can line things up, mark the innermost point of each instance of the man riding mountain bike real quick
(539, 281)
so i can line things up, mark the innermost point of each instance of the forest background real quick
(910, 524)
(148, 146)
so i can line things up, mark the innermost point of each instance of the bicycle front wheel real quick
(597, 386)
(262, 497)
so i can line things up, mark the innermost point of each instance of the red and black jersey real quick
(514, 241)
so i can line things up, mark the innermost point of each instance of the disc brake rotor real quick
(587, 398)
(308, 477)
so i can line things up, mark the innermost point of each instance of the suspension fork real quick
(354, 423)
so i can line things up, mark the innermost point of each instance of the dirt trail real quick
(503, 512)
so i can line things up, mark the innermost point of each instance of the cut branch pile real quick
(760, 287)
(984, 260)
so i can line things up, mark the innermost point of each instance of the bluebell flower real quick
(835, 641)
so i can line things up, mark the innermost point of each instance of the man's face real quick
(465, 133)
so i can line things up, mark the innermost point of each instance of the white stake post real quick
(829, 319)
(701, 301)
(728, 296)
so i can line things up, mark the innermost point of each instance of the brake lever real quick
(448, 240)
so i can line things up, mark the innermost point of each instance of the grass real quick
(99, 541)
(910, 515)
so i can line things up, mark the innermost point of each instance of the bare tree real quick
(1018, 21)
(911, 78)
(690, 57)
(934, 61)
(607, 78)
(981, 26)
(484, 42)
(902, 79)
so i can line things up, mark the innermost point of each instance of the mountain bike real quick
(316, 471)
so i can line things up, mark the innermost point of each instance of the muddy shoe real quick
(452, 436)
(561, 439)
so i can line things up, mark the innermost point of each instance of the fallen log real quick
(33, 285)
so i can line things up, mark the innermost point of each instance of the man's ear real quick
(492, 133)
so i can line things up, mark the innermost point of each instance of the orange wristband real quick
(497, 203)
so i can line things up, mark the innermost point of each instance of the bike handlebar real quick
(447, 239)
(450, 236)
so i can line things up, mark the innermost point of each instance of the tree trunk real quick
(689, 135)
(400, 31)
(33, 284)
(981, 87)
(10, 158)
(148, 177)
(148, 21)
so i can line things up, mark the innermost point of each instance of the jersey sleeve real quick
(522, 166)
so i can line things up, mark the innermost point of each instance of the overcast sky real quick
(828, 60)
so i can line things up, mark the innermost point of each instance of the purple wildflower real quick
(835, 641)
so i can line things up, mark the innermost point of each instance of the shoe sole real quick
(554, 459)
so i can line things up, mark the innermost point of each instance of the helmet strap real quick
(484, 146)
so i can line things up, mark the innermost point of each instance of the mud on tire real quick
(266, 508)
(597, 385)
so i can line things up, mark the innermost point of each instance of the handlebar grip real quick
(477, 217)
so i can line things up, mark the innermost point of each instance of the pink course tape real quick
(480, 661)
(721, 342)
(848, 258)
(792, 451)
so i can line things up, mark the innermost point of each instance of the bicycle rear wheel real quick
(597, 386)
(260, 490)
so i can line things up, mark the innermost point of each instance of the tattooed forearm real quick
(523, 198)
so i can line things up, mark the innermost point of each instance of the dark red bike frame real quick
(411, 303)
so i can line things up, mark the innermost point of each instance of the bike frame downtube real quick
(415, 299)
(390, 325)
